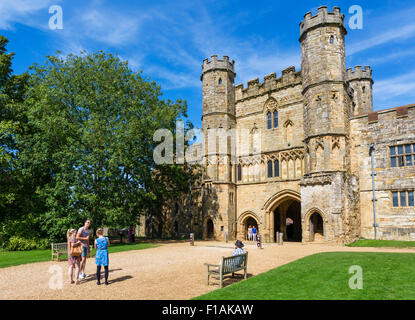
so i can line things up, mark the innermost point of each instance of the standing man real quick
(83, 236)
(254, 232)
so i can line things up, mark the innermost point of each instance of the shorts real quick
(74, 260)
(84, 251)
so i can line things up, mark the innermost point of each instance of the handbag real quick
(75, 250)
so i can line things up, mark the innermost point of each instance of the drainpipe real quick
(372, 148)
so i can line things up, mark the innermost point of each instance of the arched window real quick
(275, 119)
(269, 169)
(331, 39)
(220, 81)
(239, 172)
(276, 168)
(364, 90)
(269, 120)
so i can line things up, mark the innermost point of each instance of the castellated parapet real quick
(216, 64)
(322, 18)
(359, 74)
(271, 83)
(315, 127)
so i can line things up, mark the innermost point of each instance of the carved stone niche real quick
(319, 179)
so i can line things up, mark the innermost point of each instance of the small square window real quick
(409, 160)
(395, 199)
(393, 162)
(403, 198)
(393, 151)
(408, 148)
(221, 228)
(400, 149)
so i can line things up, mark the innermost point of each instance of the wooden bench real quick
(61, 248)
(228, 265)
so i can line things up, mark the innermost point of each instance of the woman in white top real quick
(249, 232)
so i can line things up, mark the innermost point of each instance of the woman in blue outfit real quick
(101, 258)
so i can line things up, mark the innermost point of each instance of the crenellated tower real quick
(324, 89)
(360, 80)
(327, 100)
(218, 127)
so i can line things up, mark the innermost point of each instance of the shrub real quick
(22, 244)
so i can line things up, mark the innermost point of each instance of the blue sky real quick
(168, 40)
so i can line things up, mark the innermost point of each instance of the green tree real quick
(91, 145)
(15, 204)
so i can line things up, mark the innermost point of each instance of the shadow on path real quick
(93, 277)
(231, 280)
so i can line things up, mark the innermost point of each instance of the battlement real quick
(322, 18)
(289, 77)
(359, 74)
(216, 64)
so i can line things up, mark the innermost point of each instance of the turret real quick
(218, 86)
(360, 80)
(324, 91)
(327, 100)
(218, 119)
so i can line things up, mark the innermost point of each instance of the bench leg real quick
(245, 273)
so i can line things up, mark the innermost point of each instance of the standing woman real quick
(249, 232)
(101, 258)
(73, 260)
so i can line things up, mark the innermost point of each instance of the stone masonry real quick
(304, 168)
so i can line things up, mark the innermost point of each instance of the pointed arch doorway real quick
(284, 216)
(210, 229)
(287, 219)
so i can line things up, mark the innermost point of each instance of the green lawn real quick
(325, 276)
(14, 258)
(382, 243)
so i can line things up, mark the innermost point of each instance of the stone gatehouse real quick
(312, 178)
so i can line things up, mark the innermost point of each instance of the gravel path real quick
(171, 271)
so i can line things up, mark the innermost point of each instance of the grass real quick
(325, 276)
(15, 258)
(382, 243)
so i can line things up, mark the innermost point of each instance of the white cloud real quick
(394, 25)
(396, 33)
(21, 11)
(397, 86)
(108, 27)
(391, 57)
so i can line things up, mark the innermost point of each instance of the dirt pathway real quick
(171, 271)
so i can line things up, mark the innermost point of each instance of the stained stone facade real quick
(305, 167)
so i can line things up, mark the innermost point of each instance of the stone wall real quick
(386, 128)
